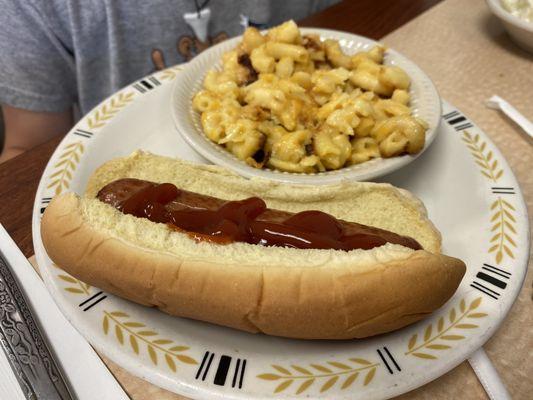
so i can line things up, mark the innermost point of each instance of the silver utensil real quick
(25, 346)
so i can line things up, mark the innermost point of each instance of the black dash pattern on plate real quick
(83, 133)
(503, 190)
(204, 367)
(92, 301)
(146, 84)
(224, 370)
(388, 360)
(457, 121)
(491, 281)
(44, 203)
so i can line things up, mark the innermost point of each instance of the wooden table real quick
(466, 30)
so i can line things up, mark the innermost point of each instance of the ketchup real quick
(243, 220)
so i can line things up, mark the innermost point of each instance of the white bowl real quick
(520, 30)
(425, 103)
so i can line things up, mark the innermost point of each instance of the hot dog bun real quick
(311, 294)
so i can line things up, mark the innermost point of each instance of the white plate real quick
(468, 188)
(425, 103)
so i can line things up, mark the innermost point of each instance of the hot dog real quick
(332, 262)
(249, 220)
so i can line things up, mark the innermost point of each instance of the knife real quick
(27, 350)
(49, 358)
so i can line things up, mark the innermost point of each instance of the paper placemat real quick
(469, 57)
(466, 52)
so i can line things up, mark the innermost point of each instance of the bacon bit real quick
(244, 60)
(310, 42)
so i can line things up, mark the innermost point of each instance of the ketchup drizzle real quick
(236, 221)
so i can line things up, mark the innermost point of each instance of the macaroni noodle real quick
(293, 102)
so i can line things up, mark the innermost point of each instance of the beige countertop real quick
(466, 52)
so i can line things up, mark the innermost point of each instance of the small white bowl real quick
(425, 103)
(521, 31)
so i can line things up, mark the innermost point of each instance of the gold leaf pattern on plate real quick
(103, 114)
(489, 167)
(438, 346)
(134, 344)
(466, 326)
(339, 365)
(351, 379)
(283, 385)
(169, 73)
(134, 325)
(152, 353)
(427, 334)
(452, 315)
(326, 377)
(301, 370)
(119, 334)
(321, 368)
(105, 324)
(154, 345)
(452, 337)
(503, 222)
(369, 376)
(170, 362)
(119, 314)
(67, 278)
(329, 383)
(74, 290)
(147, 333)
(475, 304)
(162, 341)
(186, 359)
(179, 348)
(477, 315)
(281, 369)
(303, 387)
(360, 361)
(269, 377)
(79, 288)
(424, 355)
(440, 324)
(442, 332)
(412, 341)
(62, 173)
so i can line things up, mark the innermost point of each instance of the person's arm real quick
(37, 74)
(26, 129)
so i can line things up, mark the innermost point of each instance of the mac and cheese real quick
(296, 103)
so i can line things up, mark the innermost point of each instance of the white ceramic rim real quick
(497, 8)
(183, 119)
